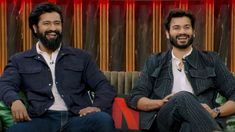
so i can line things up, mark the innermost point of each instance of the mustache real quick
(51, 31)
(182, 35)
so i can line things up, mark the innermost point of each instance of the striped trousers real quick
(183, 113)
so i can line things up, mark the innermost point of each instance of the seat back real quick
(122, 81)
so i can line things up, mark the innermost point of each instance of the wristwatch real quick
(217, 111)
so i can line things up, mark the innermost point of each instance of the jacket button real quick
(51, 97)
(49, 84)
(62, 96)
(56, 82)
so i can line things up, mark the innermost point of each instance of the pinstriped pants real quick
(183, 113)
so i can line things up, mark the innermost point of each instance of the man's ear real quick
(167, 35)
(35, 28)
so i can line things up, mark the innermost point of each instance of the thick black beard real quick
(175, 44)
(52, 44)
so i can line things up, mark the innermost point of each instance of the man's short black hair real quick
(41, 9)
(179, 13)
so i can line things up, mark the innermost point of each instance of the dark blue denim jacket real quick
(205, 71)
(75, 74)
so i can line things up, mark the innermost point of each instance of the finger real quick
(205, 105)
(21, 116)
(165, 100)
(26, 116)
(97, 109)
(83, 114)
(17, 117)
(14, 116)
(169, 96)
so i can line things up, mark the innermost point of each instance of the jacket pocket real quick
(203, 79)
(72, 75)
(203, 73)
(73, 67)
(30, 70)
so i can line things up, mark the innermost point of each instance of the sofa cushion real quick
(5, 112)
(5, 115)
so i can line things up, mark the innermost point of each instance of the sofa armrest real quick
(124, 117)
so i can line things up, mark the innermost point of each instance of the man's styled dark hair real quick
(179, 13)
(41, 9)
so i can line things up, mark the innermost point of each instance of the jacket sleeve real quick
(225, 81)
(144, 85)
(97, 82)
(9, 83)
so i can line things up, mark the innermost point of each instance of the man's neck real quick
(180, 53)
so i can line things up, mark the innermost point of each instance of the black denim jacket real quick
(75, 74)
(205, 71)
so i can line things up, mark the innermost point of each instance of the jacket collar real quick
(192, 59)
(64, 50)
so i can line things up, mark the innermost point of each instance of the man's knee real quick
(102, 117)
(184, 95)
(97, 121)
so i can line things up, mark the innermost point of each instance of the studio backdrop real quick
(121, 34)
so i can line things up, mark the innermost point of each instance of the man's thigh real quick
(35, 125)
(97, 121)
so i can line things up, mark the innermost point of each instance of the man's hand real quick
(211, 111)
(88, 110)
(164, 100)
(19, 112)
(147, 104)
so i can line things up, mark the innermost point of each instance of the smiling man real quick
(177, 89)
(56, 80)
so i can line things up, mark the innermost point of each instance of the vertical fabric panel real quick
(68, 27)
(130, 36)
(91, 28)
(183, 4)
(14, 28)
(3, 35)
(117, 36)
(232, 58)
(157, 15)
(209, 31)
(198, 9)
(78, 24)
(104, 45)
(143, 35)
(26, 33)
(222, 29)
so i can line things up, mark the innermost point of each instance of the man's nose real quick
(52, 27)
(182, 31)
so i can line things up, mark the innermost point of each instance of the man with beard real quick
(177, 89)
(56, 80)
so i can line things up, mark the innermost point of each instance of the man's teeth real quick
(182, 37)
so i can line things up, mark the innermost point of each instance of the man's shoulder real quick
(208, 55)
(20, 55)
(156, 61)
(159, 57)
(76, 51)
